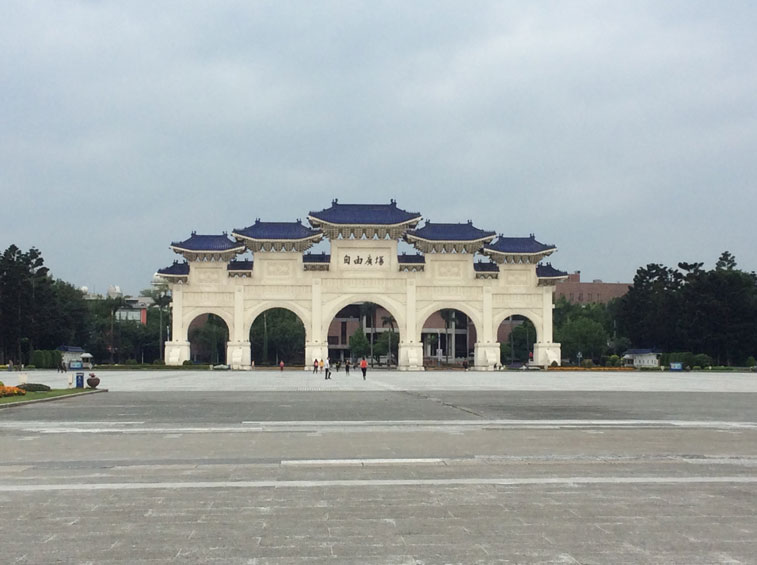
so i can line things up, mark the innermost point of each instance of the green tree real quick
(278, 335)
(583, 335)
(359, 346)
(368, 313)
(450, 317)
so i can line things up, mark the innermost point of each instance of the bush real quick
(131, 362)
(2, 384)
(751, 362)
(613, 361)
(34, 387)
(587, 363)
(159, 362)
(553, 364)
(187, 362)
(703, 360)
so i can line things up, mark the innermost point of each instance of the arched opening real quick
(516, 336)
(448, 338)
(277, 334)
(208, 334)
(364, 329)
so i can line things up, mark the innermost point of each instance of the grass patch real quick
(40, 395)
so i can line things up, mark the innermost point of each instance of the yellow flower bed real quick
(11, 391)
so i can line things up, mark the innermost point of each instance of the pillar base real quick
(176, 352)
(238, 355)
(546, 353)
(315, 350)
(410, 357)
(485, 356)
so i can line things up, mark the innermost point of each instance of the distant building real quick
(641, 358)
(74, 357)
(596, 291)
(135, 309)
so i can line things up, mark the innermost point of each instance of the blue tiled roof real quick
(245, 265)
(276, 230)
(485, 266)
(641, 351)
(547, 271)
(365, 214)
(207, 243)
(519, 245)
(316, 258)
(71, 348)
(177, 269)
(417, 258)
(451, 232)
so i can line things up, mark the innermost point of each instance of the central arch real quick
(332, 308)
(475, 316)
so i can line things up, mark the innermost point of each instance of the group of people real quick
(324, 366)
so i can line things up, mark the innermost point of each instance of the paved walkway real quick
(293, 380)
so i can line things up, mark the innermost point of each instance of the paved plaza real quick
(403, 468)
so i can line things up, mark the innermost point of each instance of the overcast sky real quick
(623, 132)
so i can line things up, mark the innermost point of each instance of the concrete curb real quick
(63, 396)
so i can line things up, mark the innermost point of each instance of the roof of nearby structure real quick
(322, 257)
(519, 245)
(641, 352)
(451, 232)
(364, 214)
(71, 348)
(416, 258)
(277, 230)
(177, 269)
(485, 266)
(209, 243)
(243, 265)
(547, 271)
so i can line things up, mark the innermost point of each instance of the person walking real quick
(281, 365)
(364, 366)
(315, 366)
(347, 367)
(321, 365)
(327, 367)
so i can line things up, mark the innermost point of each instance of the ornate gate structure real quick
(363, 266)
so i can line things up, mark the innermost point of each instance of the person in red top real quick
(281, 365)
(363, 366)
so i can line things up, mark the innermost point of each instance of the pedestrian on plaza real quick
(327, 366)
(315, 366)
(347, 367)
(321, 365)
(364, 366)
(338, 364)
(10, 364)
(281, 365)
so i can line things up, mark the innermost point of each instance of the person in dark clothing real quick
(347, 366)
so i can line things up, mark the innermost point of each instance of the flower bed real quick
(11, 391)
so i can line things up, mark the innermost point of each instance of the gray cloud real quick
(622, 132)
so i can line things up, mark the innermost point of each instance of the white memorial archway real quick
(363, 266)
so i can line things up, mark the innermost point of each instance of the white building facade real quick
(363, 266)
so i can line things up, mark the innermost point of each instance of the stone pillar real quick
(177, 350)
(485, 355)
(410, 357)
(545, 351)
(238, 355)
(486, 349)
(317, 347)
(410, 349)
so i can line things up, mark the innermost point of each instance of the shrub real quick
(553, 364)
(2, 384)
(587, 363)
(187, 362)
(34, 387)
(751, 362)
(159, 362)
(703, 360)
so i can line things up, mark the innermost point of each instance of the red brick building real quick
(577, 292)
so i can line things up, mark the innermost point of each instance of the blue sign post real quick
(79, 380)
